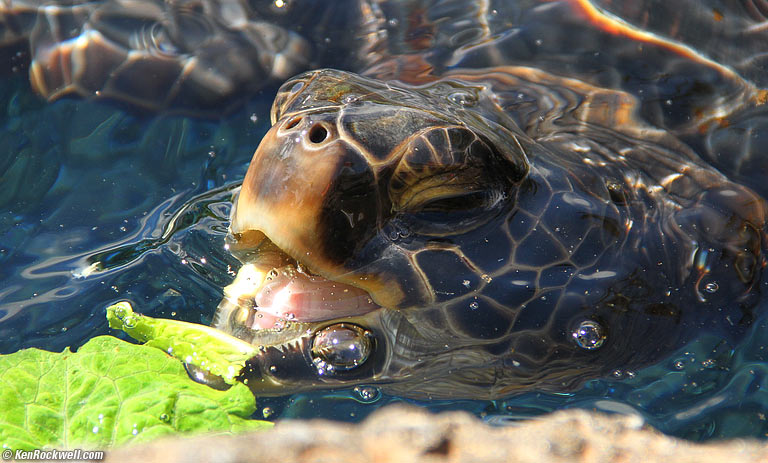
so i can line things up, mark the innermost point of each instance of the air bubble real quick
(341, 347)
(122, 309)
(367, 394)
(462, 98)
(322, 367)
(273, 369)
(130, 321)
(266, 412)
(466, 283)
(474, 305)
(589, 335)
(711, 287)
(486, 278)
(164, 417)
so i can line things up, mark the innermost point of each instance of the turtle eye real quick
(460, 202)
(452, 215)
(447, 191)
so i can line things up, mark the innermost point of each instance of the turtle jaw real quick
(300, 355)
(320, 356)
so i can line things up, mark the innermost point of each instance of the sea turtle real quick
(191, 56)
(454, 222)
(503, 196)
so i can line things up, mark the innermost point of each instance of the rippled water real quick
(146, 197)
(99, 204)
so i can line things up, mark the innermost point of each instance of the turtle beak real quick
(286, 184)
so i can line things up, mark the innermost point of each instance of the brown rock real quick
(399, 434)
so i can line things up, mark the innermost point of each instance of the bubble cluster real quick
(367, 394)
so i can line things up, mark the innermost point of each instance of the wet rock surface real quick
(404, 434)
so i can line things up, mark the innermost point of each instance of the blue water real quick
(100, 203)
(86, 182)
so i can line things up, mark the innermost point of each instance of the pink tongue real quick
(295, 296)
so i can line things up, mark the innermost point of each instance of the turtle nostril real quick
(318, 133)
(292, 123)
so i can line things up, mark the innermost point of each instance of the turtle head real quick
(411, 236)
(352, 201)
(352, 169)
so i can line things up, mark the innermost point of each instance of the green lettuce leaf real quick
(109, 393)
(202, 346)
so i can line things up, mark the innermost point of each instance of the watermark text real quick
(52, 454)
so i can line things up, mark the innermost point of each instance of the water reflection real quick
(100, 203)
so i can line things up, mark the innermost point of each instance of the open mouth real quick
(290, 293)
(274, 292)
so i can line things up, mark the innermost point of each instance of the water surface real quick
(100, 203)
